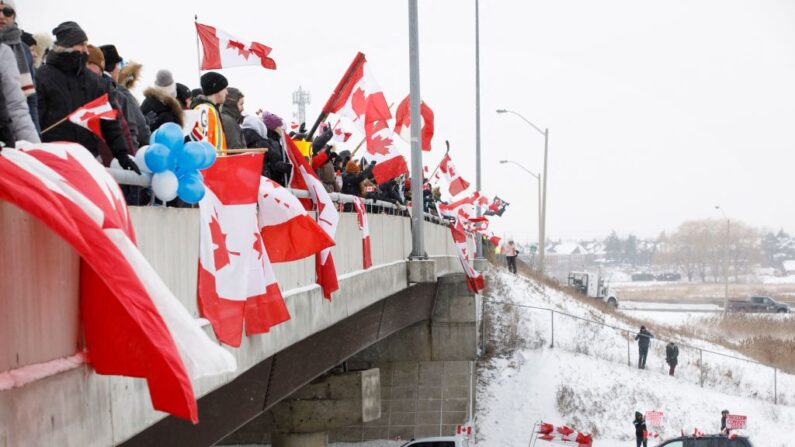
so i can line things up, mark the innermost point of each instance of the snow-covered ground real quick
(639, 305)
(585, 380)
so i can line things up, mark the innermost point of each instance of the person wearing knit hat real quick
(19, 42)
(232, 118)
(96, 60)
(69, 35)
(210, 127)
(112, 61)
(272, 121)
(164, 82)
(183, 95)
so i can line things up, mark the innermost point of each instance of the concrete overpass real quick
(69, 405)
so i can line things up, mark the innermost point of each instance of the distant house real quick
(788, 266)
(566, 254)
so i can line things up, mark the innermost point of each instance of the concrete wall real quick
(80, 408)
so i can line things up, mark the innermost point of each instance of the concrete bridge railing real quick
(39, 324)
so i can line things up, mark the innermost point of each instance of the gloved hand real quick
(128, 164)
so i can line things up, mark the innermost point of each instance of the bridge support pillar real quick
(480, 264)
(421, 270)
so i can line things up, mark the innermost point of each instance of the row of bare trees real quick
(697, 248)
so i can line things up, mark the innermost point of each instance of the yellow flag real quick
(305, 147)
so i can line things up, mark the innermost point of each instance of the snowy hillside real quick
(585, 380)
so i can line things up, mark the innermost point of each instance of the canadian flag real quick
(88, 115)
(337, 133)
(221, 50)
(303, 177)
(456, 183)
(464, 208)
(563, 435)
(475, 281)
(288, 231)
(403, 122)
(133, 325)
(236, 281)
(359, 98)
(361, 218)
(494, 239)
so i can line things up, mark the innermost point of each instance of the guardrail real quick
(687, 354)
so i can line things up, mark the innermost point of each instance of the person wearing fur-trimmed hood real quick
(128, 77)
(160, 104)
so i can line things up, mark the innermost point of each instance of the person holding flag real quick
(64, 85)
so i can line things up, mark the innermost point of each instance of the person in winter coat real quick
(671, 357)
(724, 429)
(354, 176)
(128, 77)
(17, 106)
(640, 430)
(511, 253)
(183, 96)
(160, 105)
(211, 128)
(11, 35)
(255, 134)
(232, 118)
(63, 84)
(326, 171)
(644, 338)
(6, 132)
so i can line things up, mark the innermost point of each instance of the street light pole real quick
(542, 230)
(540, 206)
(726, 262)
(417, 209)
(479, 247)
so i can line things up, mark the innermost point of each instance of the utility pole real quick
(479, 248)
(417, 208)
(301, 98)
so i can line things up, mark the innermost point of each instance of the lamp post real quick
(542, 227)
(726, 261)
(417, 216)
(538, 179)
(479, 246)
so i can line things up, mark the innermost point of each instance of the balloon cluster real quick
(175, 164)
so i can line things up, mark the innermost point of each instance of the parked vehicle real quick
(591, 284)
(642, 277)
(668, 276)
(758, 304)
(707, 441)
(441, 441)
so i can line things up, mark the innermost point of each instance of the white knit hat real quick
(164, 82)
(9, 3)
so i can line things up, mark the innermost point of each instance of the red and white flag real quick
(221, 50)
(338, 134)
(303, 177)
(475, 281)
(361, 218)
(456, 183)
(133, 325)
(403, 123)
(465, 208)
(359, 98)
(563, 435)
(88, 115)
(288, 231)
(237, 285)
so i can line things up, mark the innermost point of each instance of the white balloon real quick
(164, 185)
(139, 159)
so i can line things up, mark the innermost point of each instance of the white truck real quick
(441, 441)
(593, 285)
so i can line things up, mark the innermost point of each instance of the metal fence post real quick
(552, 319)
(701, 365)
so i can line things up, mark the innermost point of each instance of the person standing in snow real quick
(640, 430)
(511, 254)
(671, 357)
(644, 338)
(724, 429)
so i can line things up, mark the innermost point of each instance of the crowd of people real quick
(44, 78)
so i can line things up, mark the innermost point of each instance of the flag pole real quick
(60, 121)
(343, 84)
(447, 142)
(198, 51)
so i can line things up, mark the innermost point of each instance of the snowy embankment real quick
(585, 380)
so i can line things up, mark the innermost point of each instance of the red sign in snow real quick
(654, 418)
(735, 421)
(463, 430)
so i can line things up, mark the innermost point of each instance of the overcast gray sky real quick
(657, 111)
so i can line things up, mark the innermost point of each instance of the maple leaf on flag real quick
(359, 102)
(220, 253)
(378, 145)
(258, 245)
(241, 49)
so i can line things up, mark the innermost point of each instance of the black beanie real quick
(69, 34)
(112, 57)
(213, 83)
(183, 92)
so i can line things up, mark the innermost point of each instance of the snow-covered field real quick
(585, 380)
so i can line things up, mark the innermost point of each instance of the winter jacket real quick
(644, 338)
(159, 108)
(63, 84)
(6, 132)
(231, 118)
(16, 103)
(135, 118)
(12, 36)
(255, 135)
(671, 354)
(210, 128)
(640, 426)
(328, 176)
(351, 183)
(510, 250)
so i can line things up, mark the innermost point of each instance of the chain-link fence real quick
(535, 327)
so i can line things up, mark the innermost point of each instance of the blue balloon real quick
(209, 155)
(152, 138)
(156, 158)
(170, 135)
(191, 187)
(192, 156)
